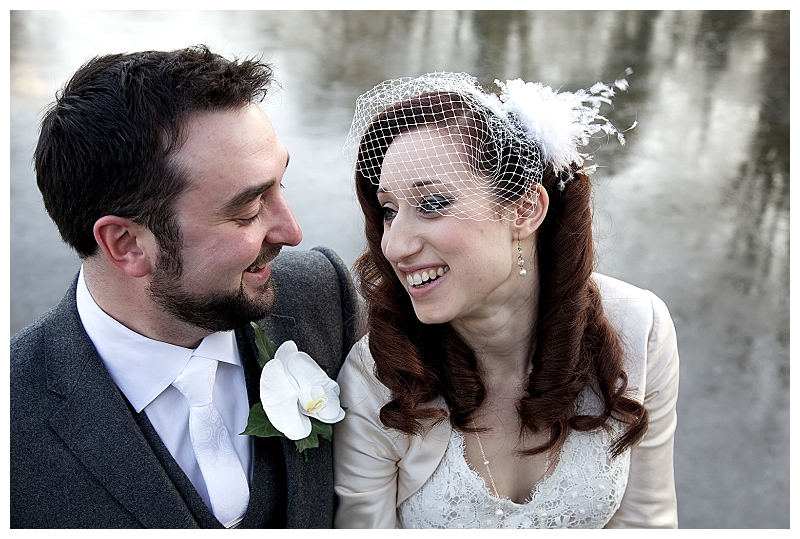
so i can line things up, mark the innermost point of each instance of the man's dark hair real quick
(105, 143)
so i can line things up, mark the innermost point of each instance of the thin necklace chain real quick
(499, 513)
(499, 510)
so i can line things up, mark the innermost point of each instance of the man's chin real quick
(218, 312)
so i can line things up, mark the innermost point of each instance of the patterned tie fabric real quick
(219, 463)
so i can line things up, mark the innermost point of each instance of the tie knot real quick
(196, 381)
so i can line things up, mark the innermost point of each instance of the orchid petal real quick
(285, 351)
(311, 400)
(332, 412)
(302, 368)
(279, 398)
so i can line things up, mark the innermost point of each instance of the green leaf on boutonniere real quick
(258, 424)
(318, 428)
(266, 348)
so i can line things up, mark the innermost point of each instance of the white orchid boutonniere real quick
(298, 400)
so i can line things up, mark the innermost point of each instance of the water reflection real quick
(760, 192)
(695, 207)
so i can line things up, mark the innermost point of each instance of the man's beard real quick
(213, 311)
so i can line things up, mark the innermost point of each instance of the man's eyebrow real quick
(246, 197)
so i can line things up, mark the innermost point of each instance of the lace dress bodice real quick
(584, 490)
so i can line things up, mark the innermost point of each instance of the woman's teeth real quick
(423, 277)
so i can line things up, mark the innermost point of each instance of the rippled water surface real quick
(695, 207)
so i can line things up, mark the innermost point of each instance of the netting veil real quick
(444, 145)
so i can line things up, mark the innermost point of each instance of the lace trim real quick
(458, 438)
(583, 490)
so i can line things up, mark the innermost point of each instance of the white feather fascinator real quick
(537, 125)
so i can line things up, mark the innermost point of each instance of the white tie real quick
(219, 463)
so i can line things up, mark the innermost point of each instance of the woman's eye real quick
(388, 213)
(434, 203)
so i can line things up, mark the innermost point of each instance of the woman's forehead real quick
(426, 157)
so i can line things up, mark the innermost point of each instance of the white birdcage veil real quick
(457, 150)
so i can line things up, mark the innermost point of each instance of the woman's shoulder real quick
(613, 288)
(625, 304)
(644, 325)
(360, 358)
(357, 378)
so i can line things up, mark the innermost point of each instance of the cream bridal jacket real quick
(377, 469)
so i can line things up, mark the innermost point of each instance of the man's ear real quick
(129, 246)
(531, 211)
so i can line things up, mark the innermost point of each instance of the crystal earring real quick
(520, 260)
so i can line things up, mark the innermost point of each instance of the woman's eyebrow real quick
(417, 184)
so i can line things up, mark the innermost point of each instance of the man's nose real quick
(285, 230)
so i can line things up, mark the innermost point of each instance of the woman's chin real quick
(428, 316)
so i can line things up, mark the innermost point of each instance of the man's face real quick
(233, 221)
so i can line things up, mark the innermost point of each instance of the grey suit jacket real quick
(82, 458)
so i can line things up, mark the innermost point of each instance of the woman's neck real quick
(502, 336)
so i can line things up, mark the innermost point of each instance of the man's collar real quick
(142, 367)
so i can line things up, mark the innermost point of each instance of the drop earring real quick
(520, 260)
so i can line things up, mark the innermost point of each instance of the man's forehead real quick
(240, 125)
(228, 134)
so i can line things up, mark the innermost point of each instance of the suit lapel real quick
(97, 426)
(267, 507)
(308, 484)
(309, 492)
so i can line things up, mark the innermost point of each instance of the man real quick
(162, 172)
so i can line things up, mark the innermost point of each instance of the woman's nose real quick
(400, 238)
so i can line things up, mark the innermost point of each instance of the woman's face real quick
(441, 231)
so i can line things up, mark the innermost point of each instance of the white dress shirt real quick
(144, 370)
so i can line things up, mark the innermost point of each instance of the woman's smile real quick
(420, 278)
(422, 283)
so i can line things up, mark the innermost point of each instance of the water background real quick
(695, 207)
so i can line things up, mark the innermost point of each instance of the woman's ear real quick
(530, 211)
(129, 246)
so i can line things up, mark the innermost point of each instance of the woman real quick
(502, 383)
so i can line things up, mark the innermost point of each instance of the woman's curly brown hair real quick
(575, 345)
